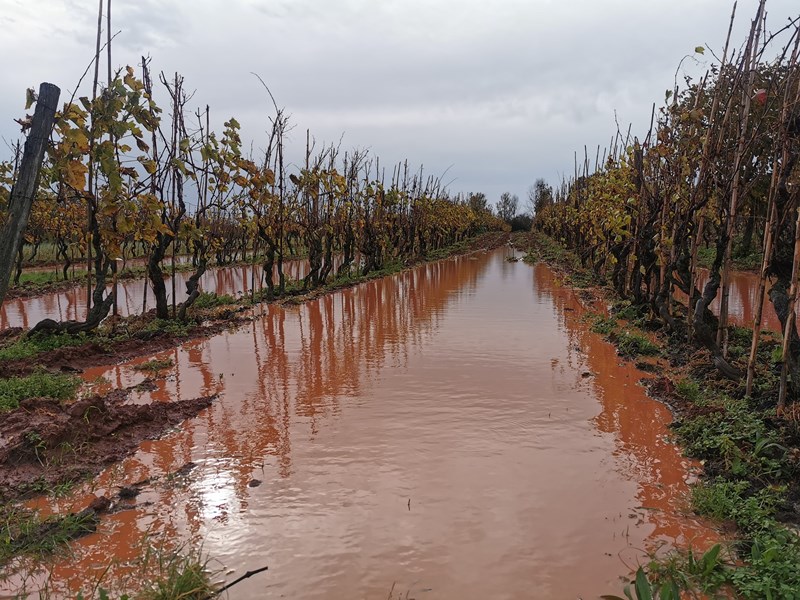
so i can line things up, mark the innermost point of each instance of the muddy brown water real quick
(454, 431)
(71, 303)
(743, 301)
(237, 280)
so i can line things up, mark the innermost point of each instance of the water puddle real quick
(742, 301)
(455, 431)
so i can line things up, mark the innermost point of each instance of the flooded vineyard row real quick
(455, 431)
(238, 280)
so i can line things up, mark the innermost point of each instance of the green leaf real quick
(700, 50)
(643, 591)
(710, 559)
(770, 555)
(669, 591)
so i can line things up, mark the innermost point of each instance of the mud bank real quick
(45, 443)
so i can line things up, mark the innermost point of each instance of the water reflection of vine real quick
(638, 423)
(71, 303)
(283, 376)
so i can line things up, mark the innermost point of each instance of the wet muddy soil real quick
(45, 443)
(74, 359)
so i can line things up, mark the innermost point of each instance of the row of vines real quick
(123, 177)
(718, 169)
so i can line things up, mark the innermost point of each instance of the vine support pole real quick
(24, 190)
(750, 62)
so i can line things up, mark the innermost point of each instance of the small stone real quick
(254, 483)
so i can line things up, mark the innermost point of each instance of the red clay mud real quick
(45, 442)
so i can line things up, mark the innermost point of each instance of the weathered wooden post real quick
(24, 190)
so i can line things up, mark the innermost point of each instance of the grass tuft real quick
(176, 576)
(26, 347)
(155, 365)
(212, 300)
(604, 325)
(38, 385)
(631, 344)
(23, 532)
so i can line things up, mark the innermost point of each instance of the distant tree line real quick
(540, 196)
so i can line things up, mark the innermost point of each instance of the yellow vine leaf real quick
(75, 175)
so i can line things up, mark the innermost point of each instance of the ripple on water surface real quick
(435, 431)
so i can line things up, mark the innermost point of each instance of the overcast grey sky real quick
(503, 91)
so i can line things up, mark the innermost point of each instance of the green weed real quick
(27, 347)
(632, 344)
(176, 576)
(23, 532)
(168, 326)
(37, 385)
(776, 356)
(736, 438)
(689, 390)
(39, 279)
(603, 325)
(770, 569)
(666, 579)
(627, 311)
(642, 588)
(155, 365)
(740, 336)
(212, 300)
(37, 443)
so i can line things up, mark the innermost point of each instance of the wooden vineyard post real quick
(787, 331)
(744, 115)
(762, 287)
(24, 190)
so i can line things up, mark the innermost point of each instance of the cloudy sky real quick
(503, 91)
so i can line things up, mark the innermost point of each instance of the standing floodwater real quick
(454, 431)
(135, 294)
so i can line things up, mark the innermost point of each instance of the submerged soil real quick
(45, 442)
